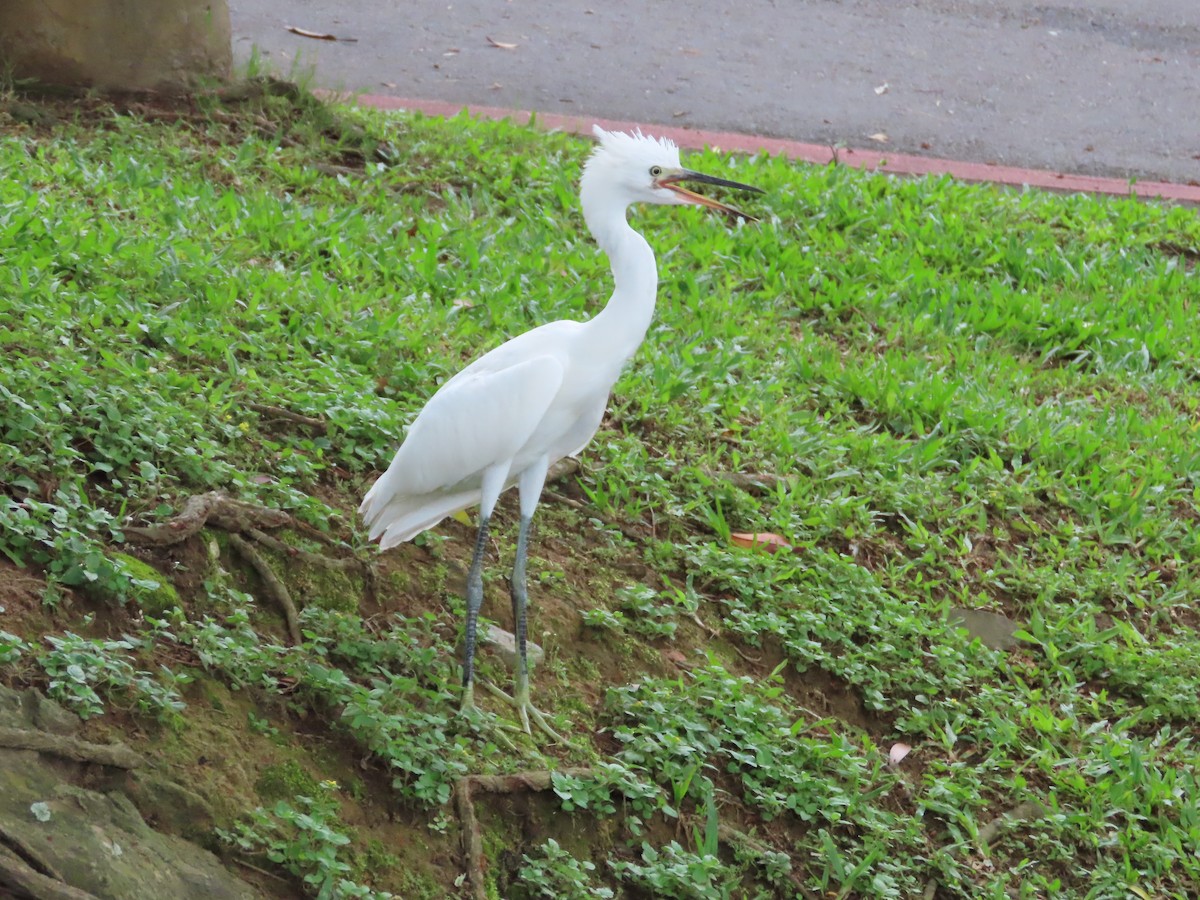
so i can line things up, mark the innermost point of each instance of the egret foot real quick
(478, 721)
(468, 699)
(527, 711)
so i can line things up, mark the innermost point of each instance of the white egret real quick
(509, 415)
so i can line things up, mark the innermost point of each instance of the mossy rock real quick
(316, 585)
(98, 843)
(166, 803)
(150, 589)
(330, 589)
(284, 781)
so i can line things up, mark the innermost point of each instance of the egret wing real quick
(475, 422)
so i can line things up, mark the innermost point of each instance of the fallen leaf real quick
(319, 35)
(880, 137)
(676, 657)
(882, 89)
(388, 84)
(763, 540)
(897, 753)
(501, 44)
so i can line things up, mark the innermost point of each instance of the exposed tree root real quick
(213, 508)
(273, 586)
(568, 465)
(239, 518)
(316, 559)
(22, 880)
(539, 780)
(746, 656)
(264, 872)
(70, 748)
(564, 500)
(750, 482)
(277, 412)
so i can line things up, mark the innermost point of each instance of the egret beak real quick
(670, 181)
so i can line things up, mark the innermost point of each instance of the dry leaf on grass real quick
(763, 540)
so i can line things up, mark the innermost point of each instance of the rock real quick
(993, 629)
(166, 802)
(88, 840)
(504, 645)
(32, 710)
(152, 592)
(29, 113)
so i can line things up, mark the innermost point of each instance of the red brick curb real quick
(874, 160)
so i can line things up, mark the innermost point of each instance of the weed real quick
(672, 871)
(80, 668)
(305, 837)
(949, 396)
(554, 873)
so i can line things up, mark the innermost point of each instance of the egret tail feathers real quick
(403, 518)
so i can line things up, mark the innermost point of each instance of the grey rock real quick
(92, 841)
(993, 629)
(504, 645)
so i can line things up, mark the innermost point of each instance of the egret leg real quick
(492, 485)
(530, 485)
(474, 602)
(520, 598)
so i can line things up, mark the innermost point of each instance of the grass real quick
(973, 398)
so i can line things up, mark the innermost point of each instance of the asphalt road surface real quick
(1103, 87)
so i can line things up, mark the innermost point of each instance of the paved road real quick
(1105, 87)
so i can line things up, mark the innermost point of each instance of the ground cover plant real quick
(938, 398)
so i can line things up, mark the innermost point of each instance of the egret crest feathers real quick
(636, 148)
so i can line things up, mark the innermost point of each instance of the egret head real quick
(637, 168)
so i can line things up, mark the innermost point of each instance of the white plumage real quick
(509, 415)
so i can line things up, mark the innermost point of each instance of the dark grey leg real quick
(474, 602)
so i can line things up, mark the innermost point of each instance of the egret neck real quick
(618, 329)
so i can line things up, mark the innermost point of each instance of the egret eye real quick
(655, 171)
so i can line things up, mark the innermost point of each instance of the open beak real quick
(670, 181)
